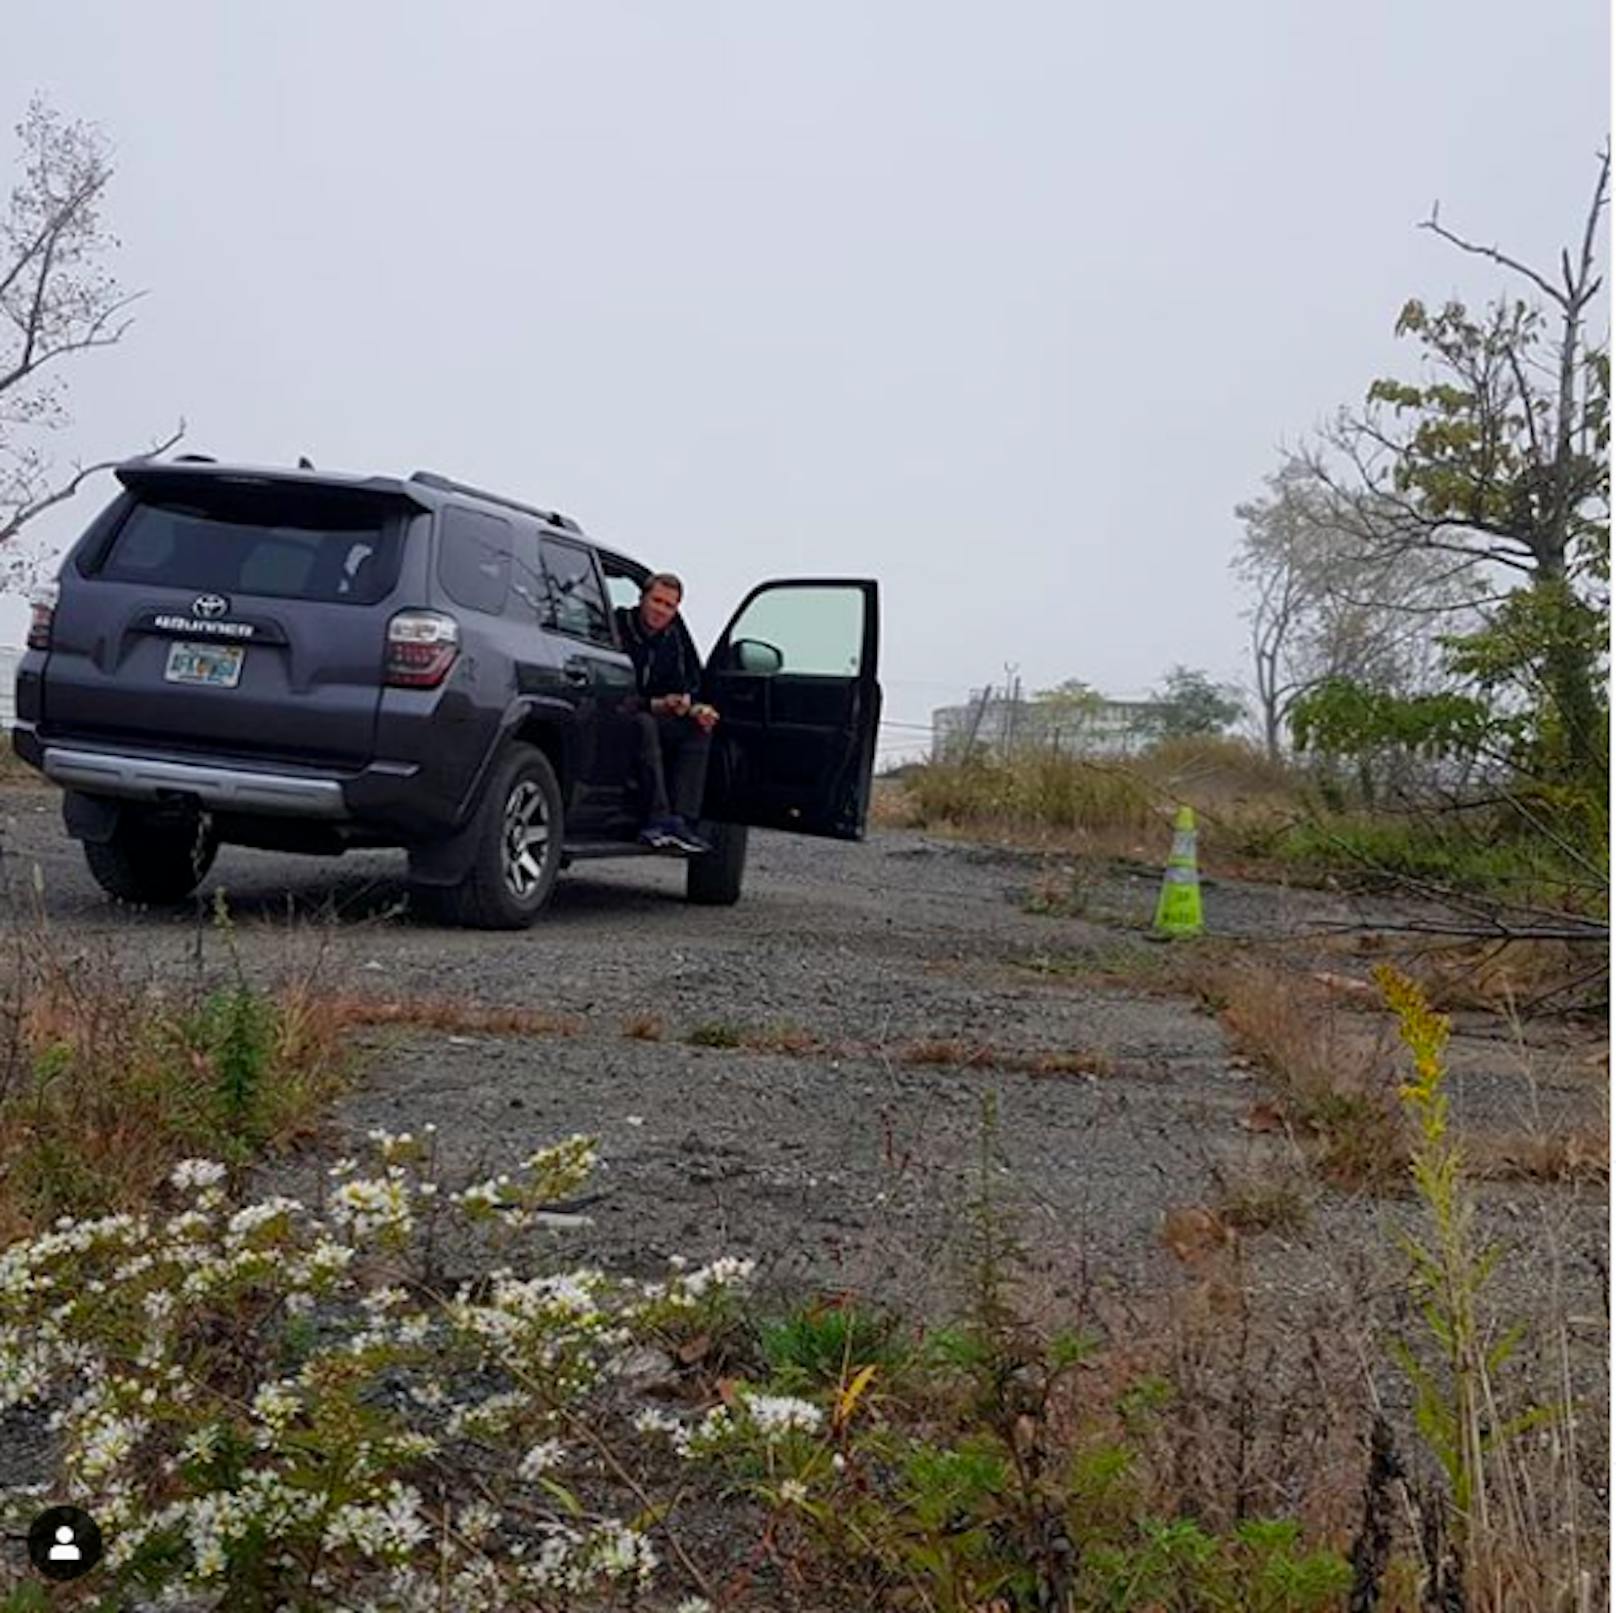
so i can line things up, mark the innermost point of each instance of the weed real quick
(1091, 1061)
(1485, 1537)
(1496, 859)
(947, 1050)
(113, 1081)
(781, 1037)
(644, 1027)
(1256, 1202)
(1067, 892)
(819, 1346)
(716, 1033)
(969, 1470)
(1332, 1080)
(456, 1015)
(1579, 1154)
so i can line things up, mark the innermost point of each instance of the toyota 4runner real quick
(308, 662)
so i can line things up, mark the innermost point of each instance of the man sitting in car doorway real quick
(675, 728)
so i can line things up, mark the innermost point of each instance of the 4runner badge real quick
(210, 605)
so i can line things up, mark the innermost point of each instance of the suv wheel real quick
(715, 879)
(518, 847)
(157, 862)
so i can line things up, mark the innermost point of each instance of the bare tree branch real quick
(1545, 285)
(57, 300)
(81, 474)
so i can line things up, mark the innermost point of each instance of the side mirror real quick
(753, 655)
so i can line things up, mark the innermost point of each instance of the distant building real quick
(998, 724)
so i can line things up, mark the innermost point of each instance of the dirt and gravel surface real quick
(844, 1167)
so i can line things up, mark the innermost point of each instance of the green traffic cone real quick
(1178, 910)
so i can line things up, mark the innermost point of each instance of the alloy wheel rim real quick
(525, 839)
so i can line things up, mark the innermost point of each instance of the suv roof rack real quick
(447, 484)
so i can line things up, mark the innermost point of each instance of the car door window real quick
(623, 591)
(814, 630)
(575, 602)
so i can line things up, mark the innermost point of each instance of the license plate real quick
(217, 665)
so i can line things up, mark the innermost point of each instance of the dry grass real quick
(452, 1014)
(783, 1038)
(1335, 1079)
(957, 1053)
(734, 1036)
(1254, 1201)
(1235, 1414)
(1068, 1061)
(1509, 977)
(107, 1081)
(1581, 1154)
(951, 1051)
(644, 1027)
(892, 806)
(1104, 807)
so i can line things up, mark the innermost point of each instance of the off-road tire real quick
(502, 891)
(156, 864)
(714, 879)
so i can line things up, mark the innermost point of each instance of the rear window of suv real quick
(305, 548)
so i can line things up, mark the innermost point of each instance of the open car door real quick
(794, 679)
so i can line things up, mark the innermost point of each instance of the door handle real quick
(575, 672)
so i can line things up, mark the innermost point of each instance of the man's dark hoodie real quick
(662, 662)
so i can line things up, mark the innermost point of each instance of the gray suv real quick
(309, 662)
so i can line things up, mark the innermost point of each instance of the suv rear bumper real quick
(382, 797)
(219, 789)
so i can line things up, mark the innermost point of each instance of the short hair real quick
(664, 579)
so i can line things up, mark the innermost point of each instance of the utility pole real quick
(976, 721)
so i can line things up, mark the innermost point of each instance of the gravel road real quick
(844, 1167)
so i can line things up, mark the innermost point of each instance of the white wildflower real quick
(275, 1405)
(620, 1552)
(541, 1458)
(653, 1420)
(477, 1521)
(372, 1205)
(248, 1220)
(197, 1174)
(776, 1414)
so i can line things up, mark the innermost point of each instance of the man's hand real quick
(672, 705)
(705, 716)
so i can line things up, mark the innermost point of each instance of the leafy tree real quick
(1072, 698)
(1189, 703)
(1496, 461)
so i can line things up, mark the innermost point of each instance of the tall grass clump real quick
(106, 1080)
(1034, 789)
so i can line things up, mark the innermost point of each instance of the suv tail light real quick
(421, 647)
(42, 608)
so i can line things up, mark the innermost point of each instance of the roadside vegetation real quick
(107, 1079)
(401, 1398)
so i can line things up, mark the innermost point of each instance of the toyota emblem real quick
(209, 605)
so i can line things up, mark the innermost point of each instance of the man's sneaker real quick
(659, 834)
(687, 840)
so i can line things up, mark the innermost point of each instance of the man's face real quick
(659, 606)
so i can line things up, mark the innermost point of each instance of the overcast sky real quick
(1004, 305)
